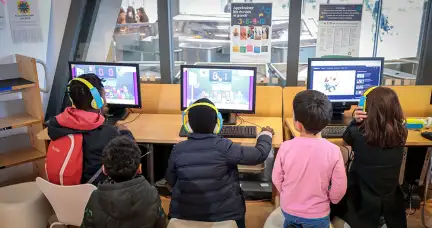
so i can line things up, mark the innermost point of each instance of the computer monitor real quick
(344, 80)
(121, 83)
(231, 88)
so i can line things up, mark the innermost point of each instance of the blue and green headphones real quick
(219, 123)
(97, 102)
(362, 102)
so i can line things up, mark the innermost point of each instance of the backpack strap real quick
(96, 175)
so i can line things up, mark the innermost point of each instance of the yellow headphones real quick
(219, 123)
(362, 102)
(97, 102)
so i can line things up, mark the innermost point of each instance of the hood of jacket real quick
(73, 121)
(126, 200)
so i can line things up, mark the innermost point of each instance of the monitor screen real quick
(121, 81)
(344, 80)
(231, 89)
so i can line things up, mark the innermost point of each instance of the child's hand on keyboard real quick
(269, 129)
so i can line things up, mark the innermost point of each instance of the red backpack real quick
(64, 161)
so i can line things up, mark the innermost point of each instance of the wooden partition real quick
(415, 100)
(165, 99)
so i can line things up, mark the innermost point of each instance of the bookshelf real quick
(22, 77)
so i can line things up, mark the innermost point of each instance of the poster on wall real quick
(339, 28)
(24, 20)
(2, 16)
(251, 32)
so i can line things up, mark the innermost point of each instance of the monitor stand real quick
(338, 117)
(117, 114)
(229, 118)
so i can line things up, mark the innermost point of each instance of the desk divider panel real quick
(165, 99)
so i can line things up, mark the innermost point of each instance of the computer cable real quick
(244, 121)
(128, 122)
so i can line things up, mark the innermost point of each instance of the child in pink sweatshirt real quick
(309, 171)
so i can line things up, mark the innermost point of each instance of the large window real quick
(127, 31)
(389, 29)
(202, 35)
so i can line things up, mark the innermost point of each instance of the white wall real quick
(53, 16)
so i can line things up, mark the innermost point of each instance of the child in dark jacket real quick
(377, 137)
(84, 119)
(203, 173)
(125, 199)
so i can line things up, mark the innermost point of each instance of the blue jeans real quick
(294, 221)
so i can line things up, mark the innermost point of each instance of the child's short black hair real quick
(202, 119)
(313, 110)
(121, 159)
(80, 93)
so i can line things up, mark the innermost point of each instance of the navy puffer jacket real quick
(203, 174)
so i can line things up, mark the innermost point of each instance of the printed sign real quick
(24, 21)
(251, 30)
(339, 29)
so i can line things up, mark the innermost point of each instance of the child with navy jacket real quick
(203, 173)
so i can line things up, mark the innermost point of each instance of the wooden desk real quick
(164, 128)
(414, 137)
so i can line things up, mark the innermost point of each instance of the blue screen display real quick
(346, 80)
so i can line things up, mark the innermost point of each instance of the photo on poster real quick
(235, 32)
(249, 47)
(330, 82)
(265, 32)
(258, 32)
(250, 33)
(257, 49)
(243, 33)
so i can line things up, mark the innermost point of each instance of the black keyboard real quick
(333, 131)
(231, 132)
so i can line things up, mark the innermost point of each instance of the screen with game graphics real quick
(120, 82)
(344, 80)
(229, 89)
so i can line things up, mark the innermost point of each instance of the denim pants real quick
(294, 221)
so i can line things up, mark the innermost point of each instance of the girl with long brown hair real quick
(377, 136)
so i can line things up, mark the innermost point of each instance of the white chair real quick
(179, 223)
(276, 219)
(68, 202)
(23, 205)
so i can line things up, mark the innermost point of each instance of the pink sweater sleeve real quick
(338, 181)
(278, 173)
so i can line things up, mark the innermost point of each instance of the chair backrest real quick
(178, 223)
(68, 202)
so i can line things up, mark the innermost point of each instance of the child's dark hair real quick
(384, 125)
(202, 119)
(80, 93)
(313, 110)
(121, 159)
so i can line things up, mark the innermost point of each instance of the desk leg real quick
(427, 181)
(402, 168)
(426, 169)
(150, 163)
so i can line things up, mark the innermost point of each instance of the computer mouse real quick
(427, 135)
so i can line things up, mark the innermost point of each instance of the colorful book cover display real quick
(251, 32)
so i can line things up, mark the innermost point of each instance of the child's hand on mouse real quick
(359, 115)
(269, 129)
